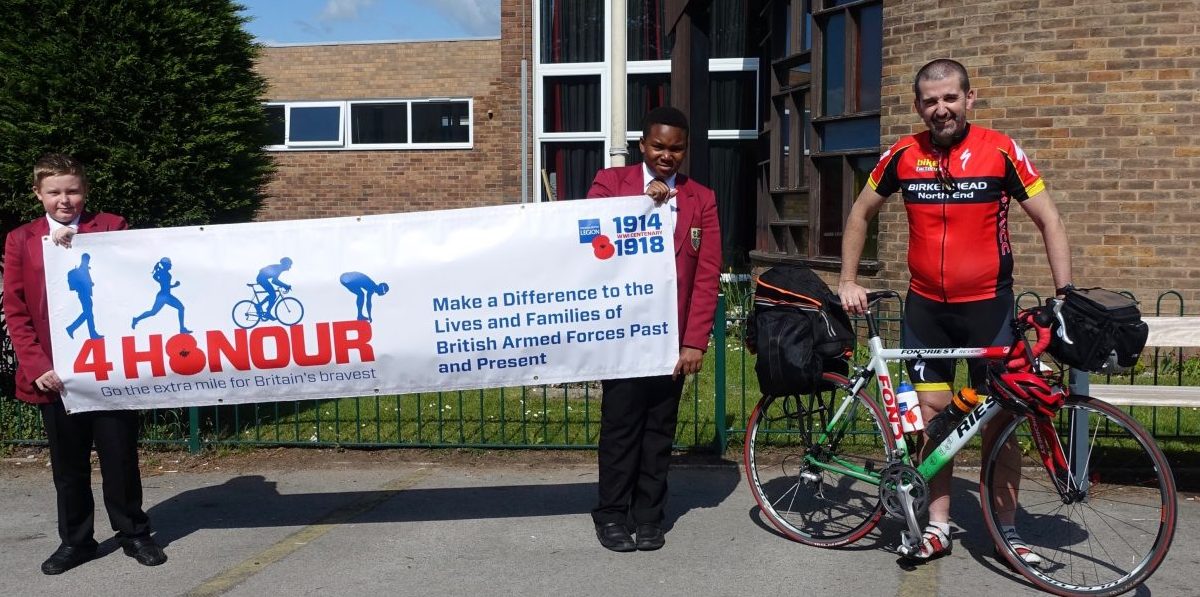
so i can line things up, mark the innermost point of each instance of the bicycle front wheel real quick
(289, 311)
(813, 463)
(1102, 527)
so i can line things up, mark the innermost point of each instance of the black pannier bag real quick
(798, 330)
(1097, 323)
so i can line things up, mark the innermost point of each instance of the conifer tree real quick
(158, 98)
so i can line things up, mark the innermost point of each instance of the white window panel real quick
(375, 124)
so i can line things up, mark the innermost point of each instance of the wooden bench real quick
(1165, 332)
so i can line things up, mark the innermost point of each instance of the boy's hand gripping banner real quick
(374, 305)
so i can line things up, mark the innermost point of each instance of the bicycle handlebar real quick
(1041, 320)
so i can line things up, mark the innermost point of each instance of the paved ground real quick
(446, 523)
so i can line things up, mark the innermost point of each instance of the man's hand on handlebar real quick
(853, 297)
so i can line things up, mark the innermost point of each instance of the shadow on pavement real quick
(253, 501)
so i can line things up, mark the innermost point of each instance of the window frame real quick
(543, 70)
(345, 141)
(287, 124)
(845, 113)
(791, 202)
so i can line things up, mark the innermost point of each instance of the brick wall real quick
(312, 184)
(1102, 94)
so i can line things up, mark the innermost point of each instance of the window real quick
(276, 123)
(823, 128)
(572, 31)
(379, 123)
(647, 38)
(568, 169)
(733, 101)
(728, 29)
(851, 48)
(571, 104)
(440, 122)
(314, 124)
(372, 124)
(645, 92)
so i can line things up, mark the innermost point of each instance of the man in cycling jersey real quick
(958, 181)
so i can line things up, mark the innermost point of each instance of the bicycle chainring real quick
(890, 480)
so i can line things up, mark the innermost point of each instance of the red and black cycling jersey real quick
(957, 203)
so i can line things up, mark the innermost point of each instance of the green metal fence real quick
(712, 414)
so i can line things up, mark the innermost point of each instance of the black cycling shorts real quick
(974, 324)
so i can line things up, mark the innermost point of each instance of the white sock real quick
(1009, 531)
(944, 527)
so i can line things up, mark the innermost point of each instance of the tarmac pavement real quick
(340, 526)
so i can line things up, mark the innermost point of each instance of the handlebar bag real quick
(1098, 323)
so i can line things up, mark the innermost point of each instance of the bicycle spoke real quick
(1110, 527)
(821, 493)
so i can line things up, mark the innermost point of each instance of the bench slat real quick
(1147, 395)
(1173, 331)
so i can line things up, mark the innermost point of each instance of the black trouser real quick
(637, 429)
(114, 434)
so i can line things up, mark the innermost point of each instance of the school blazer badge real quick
(695, 239)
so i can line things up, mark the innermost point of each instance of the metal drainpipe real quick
(617, 148)
(524, 131)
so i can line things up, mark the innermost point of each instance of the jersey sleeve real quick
(884, 178)
(1021, 178)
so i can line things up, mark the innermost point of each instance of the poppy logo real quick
(603, 247)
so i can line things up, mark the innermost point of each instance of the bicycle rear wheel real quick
(245, 314)
(1115, 524)
(816, 480)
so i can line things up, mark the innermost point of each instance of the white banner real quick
(373, 305)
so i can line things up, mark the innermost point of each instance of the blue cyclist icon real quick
(268, 279)
(162, 275)
(79, 280)
(363, 288)
(267, 303)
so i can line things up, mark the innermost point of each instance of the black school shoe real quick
(144, 550)
(650, 537)
(67, 557)
(614, 536)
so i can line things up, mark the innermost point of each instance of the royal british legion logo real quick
(588, 229)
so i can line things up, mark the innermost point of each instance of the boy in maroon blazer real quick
(638, 415)
(60, 183)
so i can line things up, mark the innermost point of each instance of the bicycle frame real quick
(1059, 463)
(877, 367)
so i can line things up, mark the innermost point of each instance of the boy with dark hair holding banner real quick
(60, 183)
(638, 415)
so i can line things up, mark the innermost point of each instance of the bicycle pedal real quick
(907, 547)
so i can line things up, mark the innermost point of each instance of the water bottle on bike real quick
(910, 408)
(940, 426)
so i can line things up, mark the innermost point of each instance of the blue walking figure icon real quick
(79, 280)
(162, 275)
(363, 288)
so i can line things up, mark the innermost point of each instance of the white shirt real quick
(648, 177)
(55, 224)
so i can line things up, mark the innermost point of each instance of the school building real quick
(791, 103)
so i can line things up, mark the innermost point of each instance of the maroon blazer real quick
(697, 269)
(25, 310)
